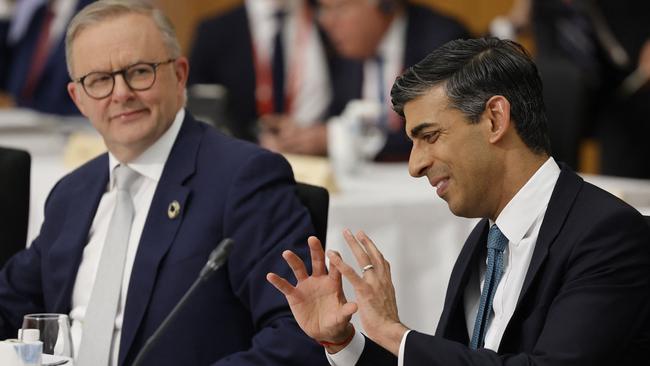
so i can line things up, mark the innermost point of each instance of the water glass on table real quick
(53, 331)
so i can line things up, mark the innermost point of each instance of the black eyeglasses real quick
(140, 76)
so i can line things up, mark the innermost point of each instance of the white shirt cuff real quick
(402, 345)
(349, 355)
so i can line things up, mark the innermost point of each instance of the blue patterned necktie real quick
(496, 244)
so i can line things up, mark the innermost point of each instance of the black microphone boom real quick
(215, 261)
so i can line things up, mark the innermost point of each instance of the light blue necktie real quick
(496, 244)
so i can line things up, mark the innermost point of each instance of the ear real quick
(181, 69)
(74, 91)
(497, 111)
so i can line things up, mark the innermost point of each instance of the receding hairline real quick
(103, 11)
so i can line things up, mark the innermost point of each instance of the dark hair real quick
(474, 70)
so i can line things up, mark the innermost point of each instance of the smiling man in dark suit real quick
(126, 234)
(556, 274)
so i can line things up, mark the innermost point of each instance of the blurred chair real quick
(316, 200)
(207, 102)
(647, 219)
(14, 201)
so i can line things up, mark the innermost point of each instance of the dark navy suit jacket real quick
(51, 94)
(226, 188)
(584, 301)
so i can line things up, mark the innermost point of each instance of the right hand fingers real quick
(317, 256)
(296, 264)
(281, 284)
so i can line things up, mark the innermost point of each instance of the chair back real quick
(14, 201)
(316, 199)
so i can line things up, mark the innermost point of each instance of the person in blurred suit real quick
(126, 234)
(590, 56)
(32, 62)
(270, 57)
(378, 39)
(557, 271)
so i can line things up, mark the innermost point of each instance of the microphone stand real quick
(215, 261)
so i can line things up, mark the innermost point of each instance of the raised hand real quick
(317, 301)
(374, 291)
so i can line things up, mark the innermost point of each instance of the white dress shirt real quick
(520, 222)
(391, 50)
(306, 67)
(149, 165)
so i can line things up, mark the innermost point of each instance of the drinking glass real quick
(54, 332)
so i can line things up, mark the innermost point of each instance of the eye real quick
(97, 78)
(431, 137)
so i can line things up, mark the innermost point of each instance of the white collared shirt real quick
(519, 221)
(306, 67)
(149, 165)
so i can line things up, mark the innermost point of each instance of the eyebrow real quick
(417, 130)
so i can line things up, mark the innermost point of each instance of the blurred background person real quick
(32, 54)
(378, 39)
(270, 57)
(590, 54)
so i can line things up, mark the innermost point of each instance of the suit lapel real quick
(66, 252)
(452, 324)
(160, 230)
(564, 194)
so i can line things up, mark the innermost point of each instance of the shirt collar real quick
(259, 10)
(519, 215)
(392, 43)
(152, 161)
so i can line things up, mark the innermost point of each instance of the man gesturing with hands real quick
(556, 273)
(320, 306)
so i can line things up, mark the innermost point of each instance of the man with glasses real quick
(126, 235)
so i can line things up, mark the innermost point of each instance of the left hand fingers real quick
(357, 250)
(347, 271)
(376, 258)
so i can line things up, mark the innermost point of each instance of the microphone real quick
(216, 259)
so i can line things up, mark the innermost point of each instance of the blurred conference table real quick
(409, 223)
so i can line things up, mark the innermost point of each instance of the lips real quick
(441, 183)
(128, 115)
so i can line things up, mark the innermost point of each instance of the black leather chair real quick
(317, 200)
(647, 219)
(14, 201)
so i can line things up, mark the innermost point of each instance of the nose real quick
(419, 161)
(121, 90)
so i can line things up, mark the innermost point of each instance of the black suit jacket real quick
(426, 30)
(584, 300)
(222, 53)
